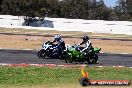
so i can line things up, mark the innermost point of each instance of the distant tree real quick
(102, 11)
(123, 9)
(112, 16)
(1, 5)
(129, 7)
(75, 9)
(69, 8)
(122, 5)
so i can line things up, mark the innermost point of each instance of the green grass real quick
(29, 76)
(35, 76)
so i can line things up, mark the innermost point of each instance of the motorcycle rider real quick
(88, 44)
(60, 43)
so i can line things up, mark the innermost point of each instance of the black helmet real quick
(85, 38)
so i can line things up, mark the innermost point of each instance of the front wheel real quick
(93, 59)
(68, 59)
(42, 54)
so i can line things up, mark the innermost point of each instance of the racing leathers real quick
(60, 45)
(88, 46)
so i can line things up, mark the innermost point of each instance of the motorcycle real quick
(74, 54)
(48, 50)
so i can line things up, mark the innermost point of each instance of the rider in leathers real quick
(88, 44)
(60, 43)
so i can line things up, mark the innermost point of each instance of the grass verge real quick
(44, 77)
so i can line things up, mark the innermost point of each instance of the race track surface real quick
(30, 57)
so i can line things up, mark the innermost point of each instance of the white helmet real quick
(57, 37)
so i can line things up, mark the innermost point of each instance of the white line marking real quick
(16, 49)
(124, 53)
(130, 67)
(120, 66)
(100, 66)
(54, 65)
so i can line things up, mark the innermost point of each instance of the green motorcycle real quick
(74, 54)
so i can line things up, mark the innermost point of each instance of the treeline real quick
(74, 9)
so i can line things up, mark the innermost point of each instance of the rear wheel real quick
(68, 59)
(62, 55)
(41, 54)
(93, 59)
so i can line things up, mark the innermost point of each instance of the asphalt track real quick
(30, 57)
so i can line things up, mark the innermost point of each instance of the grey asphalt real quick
(30, 56)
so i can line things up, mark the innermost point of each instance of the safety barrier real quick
(62, 24)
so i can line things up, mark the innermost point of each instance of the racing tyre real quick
(68, 59)
(41, 54)
(93, 59)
